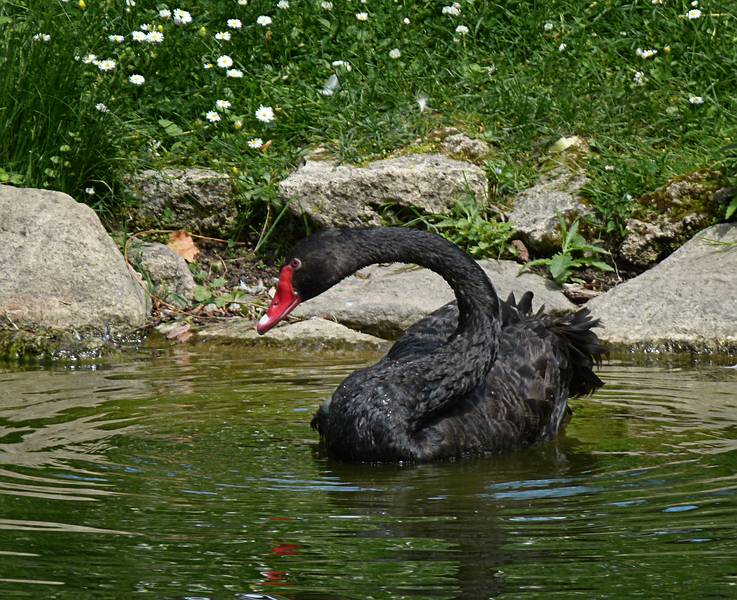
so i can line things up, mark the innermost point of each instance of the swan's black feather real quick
(477, 375)
(542, 360)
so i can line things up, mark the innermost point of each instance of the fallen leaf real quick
(266, 145)
(523, 254)
(183, 244)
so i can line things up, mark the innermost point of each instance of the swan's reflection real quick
(441, 520)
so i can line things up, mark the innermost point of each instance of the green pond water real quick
(191, 472)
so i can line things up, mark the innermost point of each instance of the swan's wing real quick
(434, 330)
(427, 334)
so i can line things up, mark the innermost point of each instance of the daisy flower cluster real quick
(248, 75)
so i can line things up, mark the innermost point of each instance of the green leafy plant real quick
(472, 227)
(731, 209)
(575, 253)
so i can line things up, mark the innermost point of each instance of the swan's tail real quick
(584, 349)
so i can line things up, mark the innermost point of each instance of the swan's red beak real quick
(285, 301)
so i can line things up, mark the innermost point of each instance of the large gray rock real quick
(342, 196)
(313, 335)
(647, 243)
(168, 273)
(386, 300)
(60, 270)
(665, 219)
(535, 212)
(198, 200)
(687, 302)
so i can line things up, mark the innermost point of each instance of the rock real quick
(61, 272)
(313, 335)
(341, 196)
(536, 210)
(167, 271)
(198, 200)
(666, 218)
(461, 145)
(385, 300)
(579, 294)
(687, 302)
(647, 243)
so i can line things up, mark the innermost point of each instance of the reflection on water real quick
(193, 473)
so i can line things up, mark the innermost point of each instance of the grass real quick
(525, 74)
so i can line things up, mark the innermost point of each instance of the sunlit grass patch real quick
(649, 84)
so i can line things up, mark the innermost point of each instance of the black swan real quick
(478, 375)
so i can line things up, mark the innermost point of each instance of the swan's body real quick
(478, 375)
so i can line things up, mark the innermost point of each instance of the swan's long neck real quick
(464, 360)
(476, 296)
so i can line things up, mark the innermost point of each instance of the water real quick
(192, 473)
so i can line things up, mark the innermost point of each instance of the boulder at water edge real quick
(313, 335)
(386, 300)
(687, 302)
(60, 272)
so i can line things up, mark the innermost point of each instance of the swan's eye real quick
(296, 264)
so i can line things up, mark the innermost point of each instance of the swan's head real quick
(314, 265)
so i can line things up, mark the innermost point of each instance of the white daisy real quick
(394, 53)
(101, 107)
(89, 59)
(695, 100)
(362, 16)
(453, 11)
(234, 73)
(283, 4)
(224, 61)
(265, 114)
(154, 37)
(255, 143)
(693, 14)
(462, 30)
(326, 5)
(138, 36)
(223, 36)
(235, 23)
(182, 17)
(243, 2)
(264, 21)
(90, 191)
(116, 39)
(222, 104)
(42, 37)
(137, 79)
(639, 78)
(548, 26)
(212, 116)
(165, 13)
(645, 53)
(562, 47)
(106, 65)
